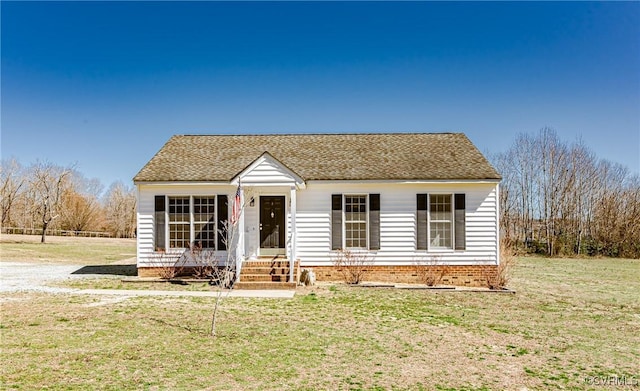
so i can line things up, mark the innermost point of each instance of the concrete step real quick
(263, 277)
(274, 263)
(264, 270)
(264, 285)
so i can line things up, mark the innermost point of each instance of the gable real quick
(384, 156)
(268, 171)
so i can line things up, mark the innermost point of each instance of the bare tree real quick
(11, 181)
(48, 182)
(226, 272)
(559, 198)
(120, 209)
(80, 209)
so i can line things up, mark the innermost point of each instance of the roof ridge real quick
(315, 134)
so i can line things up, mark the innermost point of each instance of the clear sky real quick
(105, 84)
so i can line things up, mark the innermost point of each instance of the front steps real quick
(267, 273)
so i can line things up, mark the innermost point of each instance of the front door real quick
(272, 225)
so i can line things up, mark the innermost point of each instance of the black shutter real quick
(159, 221)
(421, 222)
(374, 221)
(336, 221)
(223, 218)
(460, 220)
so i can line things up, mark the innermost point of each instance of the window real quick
(191, 220)
(179, 225)
(440, 221)
(204, 221)
(355, 221)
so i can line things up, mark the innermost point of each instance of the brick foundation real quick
(458, 275)
(160, 271)
(463, 275)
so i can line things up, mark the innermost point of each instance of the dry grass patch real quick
(117, 283)
(69, 250)
(569, 320)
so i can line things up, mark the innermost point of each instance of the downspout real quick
(497, 223)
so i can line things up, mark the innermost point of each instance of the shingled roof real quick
(382, 156)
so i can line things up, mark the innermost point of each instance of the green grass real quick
(84, 251)
(571, 319)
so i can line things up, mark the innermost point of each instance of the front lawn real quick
(573, 323)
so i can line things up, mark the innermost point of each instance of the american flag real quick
(235, 212)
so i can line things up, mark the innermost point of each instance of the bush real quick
(430, 272)
(500, 279)
(352, 265)
(168, 265)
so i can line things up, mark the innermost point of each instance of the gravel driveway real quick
(34, 277)
(20, 276)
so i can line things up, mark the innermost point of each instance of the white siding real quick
(398, 222)
(313, 221)
(267, 172)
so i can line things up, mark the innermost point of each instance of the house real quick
(398, 198)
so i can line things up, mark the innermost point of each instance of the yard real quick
(573, 324)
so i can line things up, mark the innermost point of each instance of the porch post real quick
(292, 252)
(240, 245)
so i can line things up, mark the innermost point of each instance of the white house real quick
(401, 199)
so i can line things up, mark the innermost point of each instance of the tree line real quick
(45, 196)
(558, 198)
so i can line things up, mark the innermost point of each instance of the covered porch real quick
(266, 225)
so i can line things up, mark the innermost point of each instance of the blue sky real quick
(105, 84)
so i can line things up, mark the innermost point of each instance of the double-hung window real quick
(204, 221)
(355, 221)
(441, 220)
(179, 222)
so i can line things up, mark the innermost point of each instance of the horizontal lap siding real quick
(267, 173)
(145, 231)
(398, 223)
(313, 225)
(146, 206)
(313, 220)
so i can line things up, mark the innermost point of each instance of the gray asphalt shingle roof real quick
(382, 156)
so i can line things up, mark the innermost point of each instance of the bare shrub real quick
(169, 265)
(201, 264)
(431, 271)
(352, 265)
(503, 273)
(220, 272)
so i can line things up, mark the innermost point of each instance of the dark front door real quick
(272, 225)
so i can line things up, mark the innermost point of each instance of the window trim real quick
(192, 222)
(451, 222)
(344, 220)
